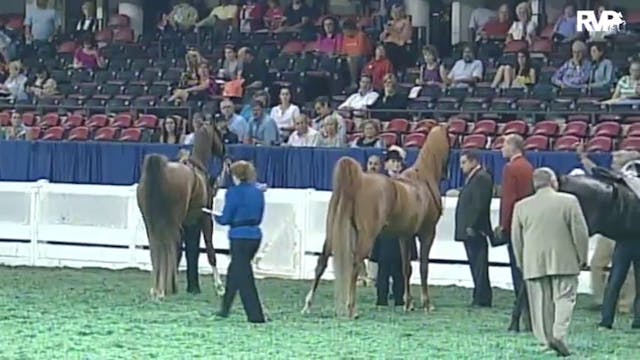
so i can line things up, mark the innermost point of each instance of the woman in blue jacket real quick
(243, 212)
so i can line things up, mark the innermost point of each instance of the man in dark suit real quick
(517, 183)
(473, 224)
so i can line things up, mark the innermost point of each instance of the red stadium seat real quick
(105, 134)
(424, 126)
(73, 121)
(293, 47)
(632, 119)
(518, 127)
(634, 130)
(389, 138)
(122, 121)
(147, 121)
(35, 132)
(457, 126)
(576, 128)
(104, 36)
(536, 143)
(97, 121)
(567, 143)
(515, 46)
(486, 127)
(398, 125)
(599, 144)
(131, 134)
(67, 47)
(474, 141)
(498, 143)
(50, 119)
(547, 32)
(53, 133)
(546, 128)
(80, 133)
(543, 46)
(414, 140)
(119, 20)
(630, 143)
(610, 129)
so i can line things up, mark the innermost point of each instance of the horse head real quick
(433, 159)
(596, 198)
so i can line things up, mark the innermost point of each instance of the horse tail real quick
(347, 179)
(155, 197)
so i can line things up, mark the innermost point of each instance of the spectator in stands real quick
(192, 60)
(364, 98)
(432, 72)
(487, 49)
(565, 29)
(522, 76)
(87, 24)
(251, 16)
(17, 130)
(234, 122)
(303, 135)
(628, 87)
(262, 129)
(330, 39)
(497, 28)
(88, 57)
(274, 17)
(396, 36)
(575, 72)
(601, 67)
(14, 87)
(600, 36)
(254, 72)
(390, 99)
(356, 47)
(228, 136)
(480, 16)
(221, 19)
(231, 66)
(379, 67)
(43, 86)
(285, 112)
(41, 23)
(298, 17)
(169, 133)
(323, 109)
(374, 164)
(466, 71)
(205, 89)
(332, 137)
(197, 120)
(369, 136)
(525, 27)
(259, 95)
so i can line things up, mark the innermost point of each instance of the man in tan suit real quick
(550, 241)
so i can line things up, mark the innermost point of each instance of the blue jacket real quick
(243, 211)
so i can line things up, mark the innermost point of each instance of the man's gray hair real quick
(516, 141)
(621, 157)
(543, 177)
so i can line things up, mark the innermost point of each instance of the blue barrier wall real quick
(282, 167)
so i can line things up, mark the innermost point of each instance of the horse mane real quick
(433, 156)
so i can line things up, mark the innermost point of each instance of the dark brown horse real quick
(171, 196)
(364, 205)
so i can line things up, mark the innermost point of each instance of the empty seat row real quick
(121, 121)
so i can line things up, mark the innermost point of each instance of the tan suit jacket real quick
(549, 234)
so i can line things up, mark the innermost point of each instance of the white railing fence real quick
(44, 224)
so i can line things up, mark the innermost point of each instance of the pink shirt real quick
(330, 45)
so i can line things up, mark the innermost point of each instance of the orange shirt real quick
(357, 45)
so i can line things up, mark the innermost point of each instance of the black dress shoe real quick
(222, 314)
(559, 347)
(194, 290)
(604, 326)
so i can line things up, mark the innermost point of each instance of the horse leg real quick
(321, 266)
(155, 265)
(406, 274)
(207, 233)
(353, 287)
(191, 237)
(426, 241)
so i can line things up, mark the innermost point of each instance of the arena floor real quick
(99, 314)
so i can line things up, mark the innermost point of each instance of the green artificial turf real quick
(100, 314)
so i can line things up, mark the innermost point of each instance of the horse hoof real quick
(305, 310)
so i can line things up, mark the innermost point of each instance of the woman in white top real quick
(285, 112)
(14, 87)
(525, 28)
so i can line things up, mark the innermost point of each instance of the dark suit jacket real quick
(517, 183)
(474, 202)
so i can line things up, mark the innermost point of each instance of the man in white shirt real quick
(466, 71)
(362, 99)
(304, 135)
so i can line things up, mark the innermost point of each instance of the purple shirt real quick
(329, 45)
(572, 75)
(89, 62)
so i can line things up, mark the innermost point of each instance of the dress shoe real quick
(559, 347)
(602, 326)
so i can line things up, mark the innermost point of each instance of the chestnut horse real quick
(364, 205)
(171, 196)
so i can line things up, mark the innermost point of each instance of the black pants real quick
(516, 273)
(240, 278)
(389, 266)
(478, 255)
(624, 254)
